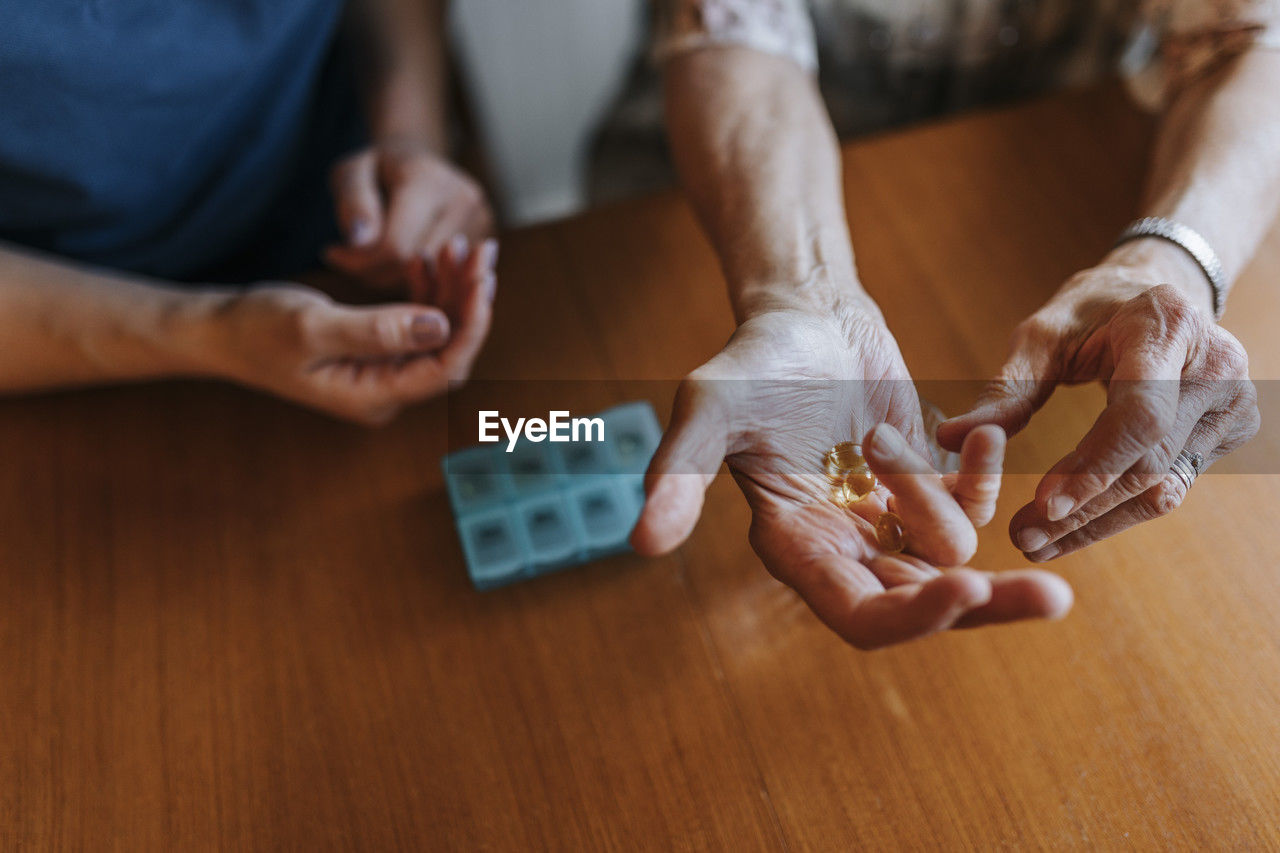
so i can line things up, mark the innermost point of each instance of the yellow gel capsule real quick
(842, 459)
(843, 495)
(854, 488)
(861, 481)
(890, 534)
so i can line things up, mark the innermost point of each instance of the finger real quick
(1213, 437)
(416, 379)
(685, 463)
(479, 224)
(938, 528)
(359, 202)
(443, 230)
(1156, 502)
(1031, 530)
(977, 485)
(1141, 410)
(452, 286)
(468, 218)
(1020, 389)
(907, 416)
(848, 602)
(1021, 594)
(484, 261)
(371, 266)
(457, 268)
(898, 569)
(414, 209)
(474, 317)
(423, 284)
(372, 392)
(347, 388)
(381, 332)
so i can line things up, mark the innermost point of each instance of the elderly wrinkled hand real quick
(781, 393)
(1176, 381)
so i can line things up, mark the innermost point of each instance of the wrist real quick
(1152, 261)
(189, 332)
(406, 113)
(820, 295)
(410, 140)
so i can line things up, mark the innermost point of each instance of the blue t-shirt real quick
(162, 137)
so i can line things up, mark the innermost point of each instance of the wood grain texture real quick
(227, 623)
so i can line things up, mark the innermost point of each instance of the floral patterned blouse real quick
(882, 63)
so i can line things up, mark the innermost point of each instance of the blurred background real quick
(566, 107)
(538, 80)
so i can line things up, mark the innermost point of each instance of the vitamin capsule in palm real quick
(855, 487)
(861, 481)
(890, 533)
(842, 459)
(843, 495)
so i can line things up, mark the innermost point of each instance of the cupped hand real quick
(1175, 381)
(785, 389)
(360, 363)
(398, 201)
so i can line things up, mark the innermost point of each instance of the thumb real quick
(685, 463)
(385, 331)
(357, 199)
(1008, 401)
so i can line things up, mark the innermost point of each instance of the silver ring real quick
(1187, 467)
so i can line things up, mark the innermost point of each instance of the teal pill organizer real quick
(550, 505)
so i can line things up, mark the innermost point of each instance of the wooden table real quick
(228, 622)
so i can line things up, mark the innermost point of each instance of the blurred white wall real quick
(539, 76)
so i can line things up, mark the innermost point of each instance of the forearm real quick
(66, 325)
(1216, 168)
(759, 160)
(400, 46)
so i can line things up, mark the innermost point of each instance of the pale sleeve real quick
(779, 27)
(1180, 41)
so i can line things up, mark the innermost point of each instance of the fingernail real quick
(1032, 539)
(427, 329)
(888, 441)
(1059, 507)
(1044, 556)
(490, 253)
(361, 232)
(459, 245)
(490, 287)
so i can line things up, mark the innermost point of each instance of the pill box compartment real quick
(606, 515)
(535, 468)
(633, 435)
(476, 478)
(496, 548)
(552, 530)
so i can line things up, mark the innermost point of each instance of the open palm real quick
(784, 390)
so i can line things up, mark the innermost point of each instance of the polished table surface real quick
(228, 622)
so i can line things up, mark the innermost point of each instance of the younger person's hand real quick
(360, 363)
(398, 201)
